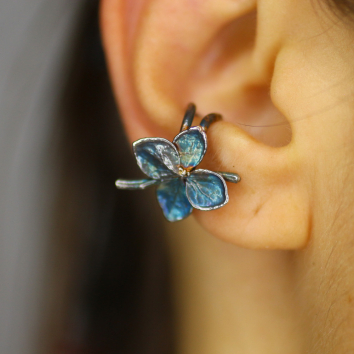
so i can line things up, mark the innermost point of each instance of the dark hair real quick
(345, 7)
(109, 245)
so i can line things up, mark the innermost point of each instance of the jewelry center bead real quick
(182, 172)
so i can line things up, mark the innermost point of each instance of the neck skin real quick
(233, 300)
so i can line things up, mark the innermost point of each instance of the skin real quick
(272, 271)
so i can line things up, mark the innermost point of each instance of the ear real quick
(219, 54)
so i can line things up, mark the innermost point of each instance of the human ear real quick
(221, 55)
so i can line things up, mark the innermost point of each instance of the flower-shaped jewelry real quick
(171, 166)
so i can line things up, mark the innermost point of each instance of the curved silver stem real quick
(188, 117)
(210, 119)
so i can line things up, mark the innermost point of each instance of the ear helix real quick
(270, 207)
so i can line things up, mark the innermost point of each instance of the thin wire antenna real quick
(263, 126)
(209, 119)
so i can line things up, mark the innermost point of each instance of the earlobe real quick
(182, 51)
(269, 208)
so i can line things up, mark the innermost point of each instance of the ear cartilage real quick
(172, 167)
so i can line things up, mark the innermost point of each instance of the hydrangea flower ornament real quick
(172, 167)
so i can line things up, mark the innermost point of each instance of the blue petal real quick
(173, 200)
(206, 190)
(157, 157)
(191, 145)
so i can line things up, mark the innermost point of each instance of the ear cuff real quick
(172, 167)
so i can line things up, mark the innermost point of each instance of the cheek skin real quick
(317, 99)
(313, 87)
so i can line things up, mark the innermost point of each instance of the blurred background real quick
(83, 266)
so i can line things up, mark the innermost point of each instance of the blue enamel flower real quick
(172, 166)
